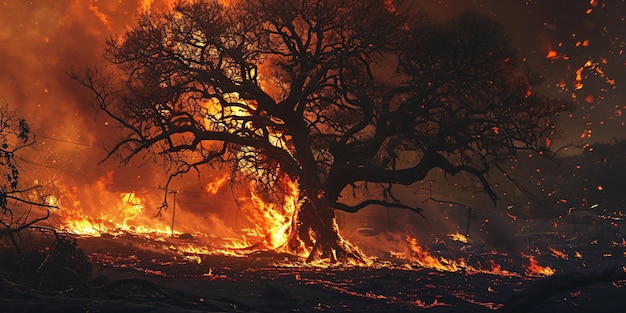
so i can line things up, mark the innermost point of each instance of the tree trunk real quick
(315, 230)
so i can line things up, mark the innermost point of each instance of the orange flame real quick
(458, 237)
(558, 254)
(425, 259)
(534, 269)
(124, 215)
(214, 186)
(273, 222)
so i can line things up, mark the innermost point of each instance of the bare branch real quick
(363, 204)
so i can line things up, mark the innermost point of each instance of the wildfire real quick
(420, 256)
(273, 222)
(427, 260)
(106, 212)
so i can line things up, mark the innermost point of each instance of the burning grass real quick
(411, 273)
(164, 268)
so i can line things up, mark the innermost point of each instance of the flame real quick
(97, 13)
(120, 218)
(425, 259)
(107, 212)
(458, 237)
(193, 249)
(534, 269)
(126, 212)
(273, 222)
(52, 201)
(214, 186)
(558, 254)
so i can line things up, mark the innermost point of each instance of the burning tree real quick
(331, 94)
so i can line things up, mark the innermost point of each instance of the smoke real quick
(42, 41)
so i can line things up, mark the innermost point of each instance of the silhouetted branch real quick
(355, 208)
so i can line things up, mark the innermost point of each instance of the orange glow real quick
(390, 6)
(101, 16)
(558, 254)
(125, 214)
(418, 255)
(458, 237)
(424, 259)
(425, 305)
(534, 269)
(272, 223)
(214, 186)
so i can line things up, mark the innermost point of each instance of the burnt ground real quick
(137, 274)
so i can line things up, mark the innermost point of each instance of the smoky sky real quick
(581, 34)
(42, 40)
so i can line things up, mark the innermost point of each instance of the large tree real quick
(332, 93)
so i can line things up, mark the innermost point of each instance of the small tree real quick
(15, 136)
(331, 93)
(37, 256)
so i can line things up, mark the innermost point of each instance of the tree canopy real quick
(331, 93)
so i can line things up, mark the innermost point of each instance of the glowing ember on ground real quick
(558, 254)
(535, 269)
(424, 305)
